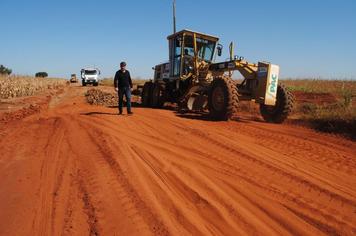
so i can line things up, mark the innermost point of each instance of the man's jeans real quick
(127, 92)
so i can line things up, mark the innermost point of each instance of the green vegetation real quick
(337, 87)
(335, 116)
(4, 70)
(41, 74)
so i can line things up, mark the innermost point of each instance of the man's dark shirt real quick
(122, 79)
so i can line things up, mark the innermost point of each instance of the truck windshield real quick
(90, 72)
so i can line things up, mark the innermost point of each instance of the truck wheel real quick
(96, 84)
(146, 94)
(279, 112)
(83, 83)
(223, 99)
(157, 98)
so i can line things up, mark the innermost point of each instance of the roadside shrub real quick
(41, 74)
(4, 70)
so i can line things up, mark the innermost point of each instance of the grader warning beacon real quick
(195, 82)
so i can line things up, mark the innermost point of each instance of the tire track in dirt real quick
(275, 169)
(89, 208)
(320, 191)
(131, 201)
(136, 140)
(96, 182)
(300, 182)
(44, 221)
(330, 155)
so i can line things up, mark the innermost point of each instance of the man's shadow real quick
(97, 113)
(133, 104)
(204, 116)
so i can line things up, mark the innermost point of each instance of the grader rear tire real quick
(146, 94)
(223, 99)
(157, 97)
(284, 105)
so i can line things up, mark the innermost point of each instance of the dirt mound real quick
(99, 97)
(103, 98)
(32, 108)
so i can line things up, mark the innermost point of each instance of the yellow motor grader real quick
(195, 82)
(73, 78)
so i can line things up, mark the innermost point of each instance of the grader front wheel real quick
(279, 112)
(223, 99)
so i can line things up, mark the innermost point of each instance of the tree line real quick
(7, 71)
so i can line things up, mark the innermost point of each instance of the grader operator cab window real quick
(205, 49)
(182, 45)
(188, 46)
(177, 49)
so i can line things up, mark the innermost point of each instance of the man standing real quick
(123, 85)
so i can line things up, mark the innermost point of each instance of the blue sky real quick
(306, 38)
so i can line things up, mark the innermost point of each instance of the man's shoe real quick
(130, 113)
(120, 113)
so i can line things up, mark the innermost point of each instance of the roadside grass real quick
(106, 82)
(339, 87)
(333, 118)
(338, 116)
(18, 86)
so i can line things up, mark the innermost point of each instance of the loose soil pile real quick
(99, 97)
(103, 98)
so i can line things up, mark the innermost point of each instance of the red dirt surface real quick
(76, 169)
(315, 98)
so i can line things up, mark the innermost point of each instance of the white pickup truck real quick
(90, 76)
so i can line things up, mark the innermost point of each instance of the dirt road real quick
(77, 169)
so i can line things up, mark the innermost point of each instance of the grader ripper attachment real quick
(195, 82)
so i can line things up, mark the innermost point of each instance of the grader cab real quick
(196, 83)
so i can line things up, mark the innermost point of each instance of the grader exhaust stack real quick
(174, 17)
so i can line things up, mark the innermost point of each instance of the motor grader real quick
(73, 78)
(196, 83)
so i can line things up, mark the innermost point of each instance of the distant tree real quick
(41, 74)
(4, 70)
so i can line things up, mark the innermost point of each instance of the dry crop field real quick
(18, 86)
